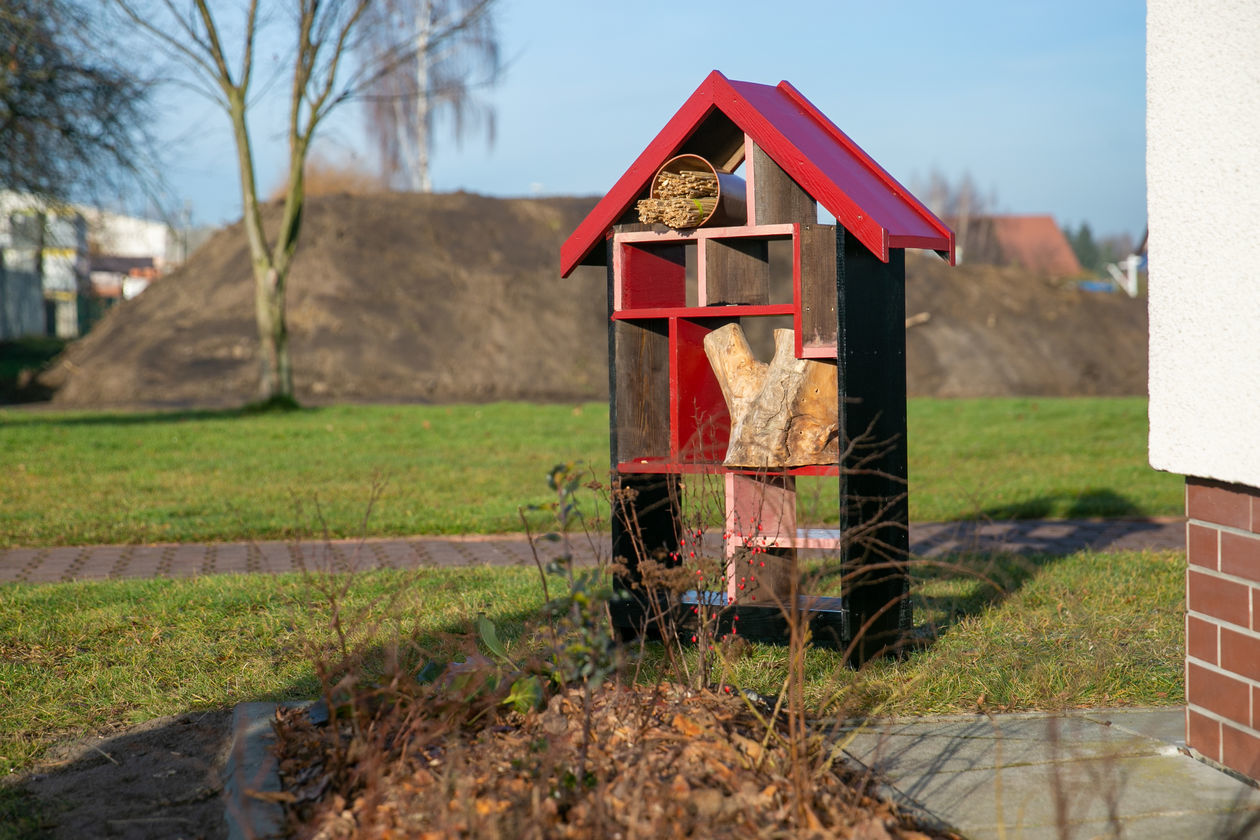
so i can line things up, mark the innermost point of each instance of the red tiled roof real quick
(1034, 243)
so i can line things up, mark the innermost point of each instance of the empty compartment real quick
(641, 356)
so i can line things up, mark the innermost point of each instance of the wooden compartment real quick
(641, 355)
(736, 271)
(701, 423)
(817, 320)
(651, 275)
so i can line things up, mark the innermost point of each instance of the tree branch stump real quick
(784, 414)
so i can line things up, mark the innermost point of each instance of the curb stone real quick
(251, 767)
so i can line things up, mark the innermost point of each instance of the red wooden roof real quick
(865, 199)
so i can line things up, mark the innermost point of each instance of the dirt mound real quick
(391, 298)
(456, 297)
(1001, 332)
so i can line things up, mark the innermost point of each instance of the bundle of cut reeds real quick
(689, 183)
(682, 199)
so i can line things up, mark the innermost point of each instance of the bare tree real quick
(323, 33)
(71, 118)
(455, 51)
(966, 209)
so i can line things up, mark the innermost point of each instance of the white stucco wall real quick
(1203, 194)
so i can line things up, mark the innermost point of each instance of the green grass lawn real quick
(1014, 633)
(79, 478)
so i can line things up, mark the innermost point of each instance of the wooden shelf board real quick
(821, 538)
(827, 616)
(813, 603)
(734, 311)
(819, 351)
(697, 234)
(662, 466)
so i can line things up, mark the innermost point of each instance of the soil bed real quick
(643, 762)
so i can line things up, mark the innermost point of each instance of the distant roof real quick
(829, 166)
(1035, 243)
(118, 265)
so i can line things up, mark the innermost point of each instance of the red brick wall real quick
(1223, 623)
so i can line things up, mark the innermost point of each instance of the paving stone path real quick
(932, 539)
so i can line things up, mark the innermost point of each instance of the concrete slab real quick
(1166, 725)
(1096, 774)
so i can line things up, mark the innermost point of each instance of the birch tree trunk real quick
(424, 34)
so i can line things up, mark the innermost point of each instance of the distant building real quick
(1034, 243)
(62, 265)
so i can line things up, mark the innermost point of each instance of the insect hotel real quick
(750, 344)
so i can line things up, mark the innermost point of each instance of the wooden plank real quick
(736, 271)
(873, 500)
(826, 539)
(816, 269)
(825, 615)
(703, 312)
(641, 389)
(660, 233)
(778, 199)
(663, 465)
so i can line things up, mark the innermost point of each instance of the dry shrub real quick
(341, 176)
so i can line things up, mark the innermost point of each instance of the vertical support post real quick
(645, 525)
(874, 514)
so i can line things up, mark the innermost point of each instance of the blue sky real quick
(1041, 103)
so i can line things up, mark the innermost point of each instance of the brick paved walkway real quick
(49, 565)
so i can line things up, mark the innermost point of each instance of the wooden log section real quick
(784, 414)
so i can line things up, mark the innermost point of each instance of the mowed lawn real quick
(348, 471)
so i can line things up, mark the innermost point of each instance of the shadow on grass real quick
(1095, 502)
(173, 415)
(978, 582)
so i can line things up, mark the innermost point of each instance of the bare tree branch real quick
(455, 52)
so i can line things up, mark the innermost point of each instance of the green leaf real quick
(490, 636)
(526, 694)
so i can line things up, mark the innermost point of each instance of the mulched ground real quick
(649, 762)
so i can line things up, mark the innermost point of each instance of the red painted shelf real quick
(732, 311)
(662, 466)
